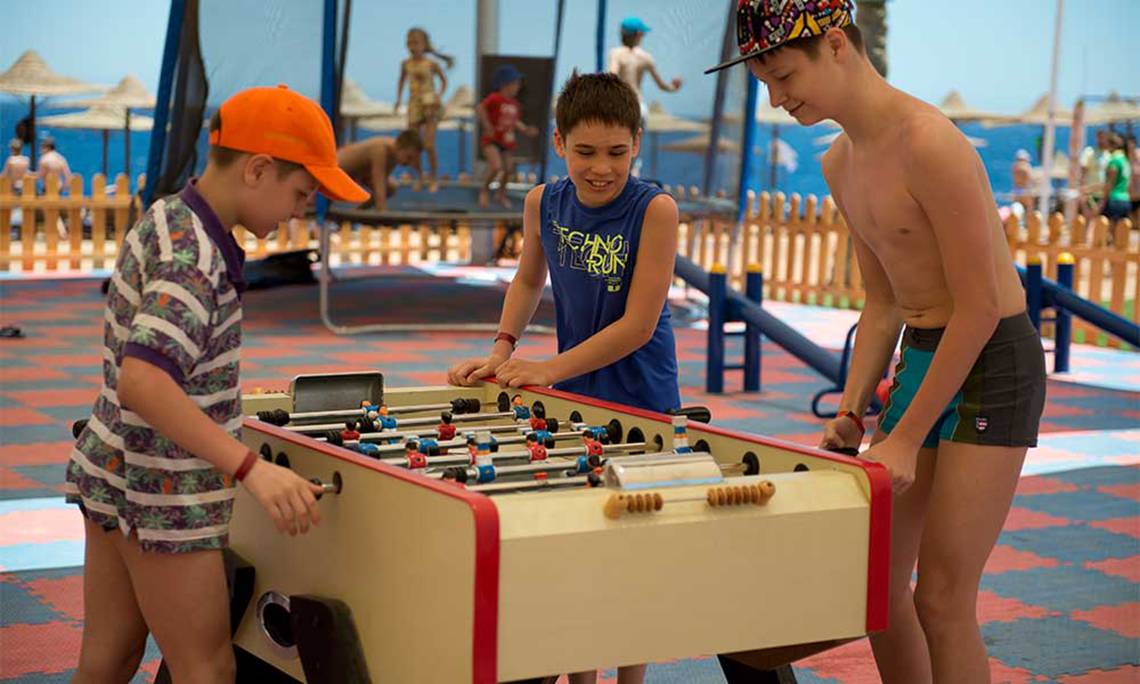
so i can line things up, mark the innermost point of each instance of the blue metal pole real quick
(1064, 327)
(746, 147)
(754, 291)
(718, 309)
(600, 38)
(1033, 291)
(328, 80)
(162, 104)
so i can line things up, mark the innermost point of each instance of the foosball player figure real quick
(681, 435)
(535, 447)
(412, 453)
(593, 446)
(538, 418)
(446, 428)
(472, 448)
(386, 422)
(349, 433)
(520, 409)
(484, 462)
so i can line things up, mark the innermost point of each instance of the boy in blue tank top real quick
(608, 241)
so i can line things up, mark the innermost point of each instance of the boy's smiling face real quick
(802, 85)
(598, 158)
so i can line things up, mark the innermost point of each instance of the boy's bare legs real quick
(429, 129)
(901, 653)
(114, 633)
(494, 165)
(508, 169)
(628, 674)
(184, 599)
(968, 507)
(631, 674)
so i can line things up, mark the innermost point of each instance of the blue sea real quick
(84, 150)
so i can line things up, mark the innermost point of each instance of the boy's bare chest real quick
(881, 210)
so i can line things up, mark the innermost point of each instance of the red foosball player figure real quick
(472, 448)
(446, 429)
(538, 419)
(536, 448)
(593, 446)
(412, 453)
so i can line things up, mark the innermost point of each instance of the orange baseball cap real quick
(288, 126)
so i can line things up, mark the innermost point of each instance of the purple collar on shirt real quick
(222, 238)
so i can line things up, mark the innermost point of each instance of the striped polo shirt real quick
(174, 302)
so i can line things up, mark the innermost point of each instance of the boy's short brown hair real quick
(810, 46)
(223, 157)
(411, 140)
(603, 98)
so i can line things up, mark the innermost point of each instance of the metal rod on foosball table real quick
(464, 459)
(453, 443)
(588, 480)
(407, 422)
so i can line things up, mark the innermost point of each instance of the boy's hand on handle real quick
(290, 499)
(468, 373)
(519, 372)
(841, 433)
(901, 459)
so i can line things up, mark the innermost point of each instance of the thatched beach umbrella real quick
(103, 119)
(30, 75)
(129, 94)
(660, 121)
(356, 105)
(1114, 109)
(955, 108)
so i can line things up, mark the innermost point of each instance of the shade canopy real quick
(30, 75)
(98, 119)
(130, 93)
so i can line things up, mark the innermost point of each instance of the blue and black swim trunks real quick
(1000, 402)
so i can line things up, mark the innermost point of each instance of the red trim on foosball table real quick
(879, 485)
(484, 646)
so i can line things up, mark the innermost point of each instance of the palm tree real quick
(872, 20)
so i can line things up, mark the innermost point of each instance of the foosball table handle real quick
(649, 502)
(333, 487)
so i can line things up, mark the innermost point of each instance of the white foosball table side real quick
(809, 566)
(398, 572)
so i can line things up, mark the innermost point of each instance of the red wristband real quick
(246, 466)
(508, 337)
(854, 419)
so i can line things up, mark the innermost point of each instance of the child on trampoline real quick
(371, 163)
(425, 103)
(499, 113)
(969, 388)
(608, 241)
(155, 467)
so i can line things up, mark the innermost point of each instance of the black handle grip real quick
(700, 414)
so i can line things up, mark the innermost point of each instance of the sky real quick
(996, 53)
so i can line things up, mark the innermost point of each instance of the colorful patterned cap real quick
(762, 25)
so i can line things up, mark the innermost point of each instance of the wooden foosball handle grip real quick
(757, 494)
(633, 503)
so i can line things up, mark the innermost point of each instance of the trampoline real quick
(452, 206)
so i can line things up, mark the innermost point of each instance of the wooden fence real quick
(801, 244)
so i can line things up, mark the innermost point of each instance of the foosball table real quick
(477, 535)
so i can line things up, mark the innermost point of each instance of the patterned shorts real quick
(172, 511)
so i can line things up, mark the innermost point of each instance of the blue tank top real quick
(591, 253)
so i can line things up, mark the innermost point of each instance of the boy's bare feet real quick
(484, 199)
(433, 185)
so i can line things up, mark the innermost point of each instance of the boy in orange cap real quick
(154, 470)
